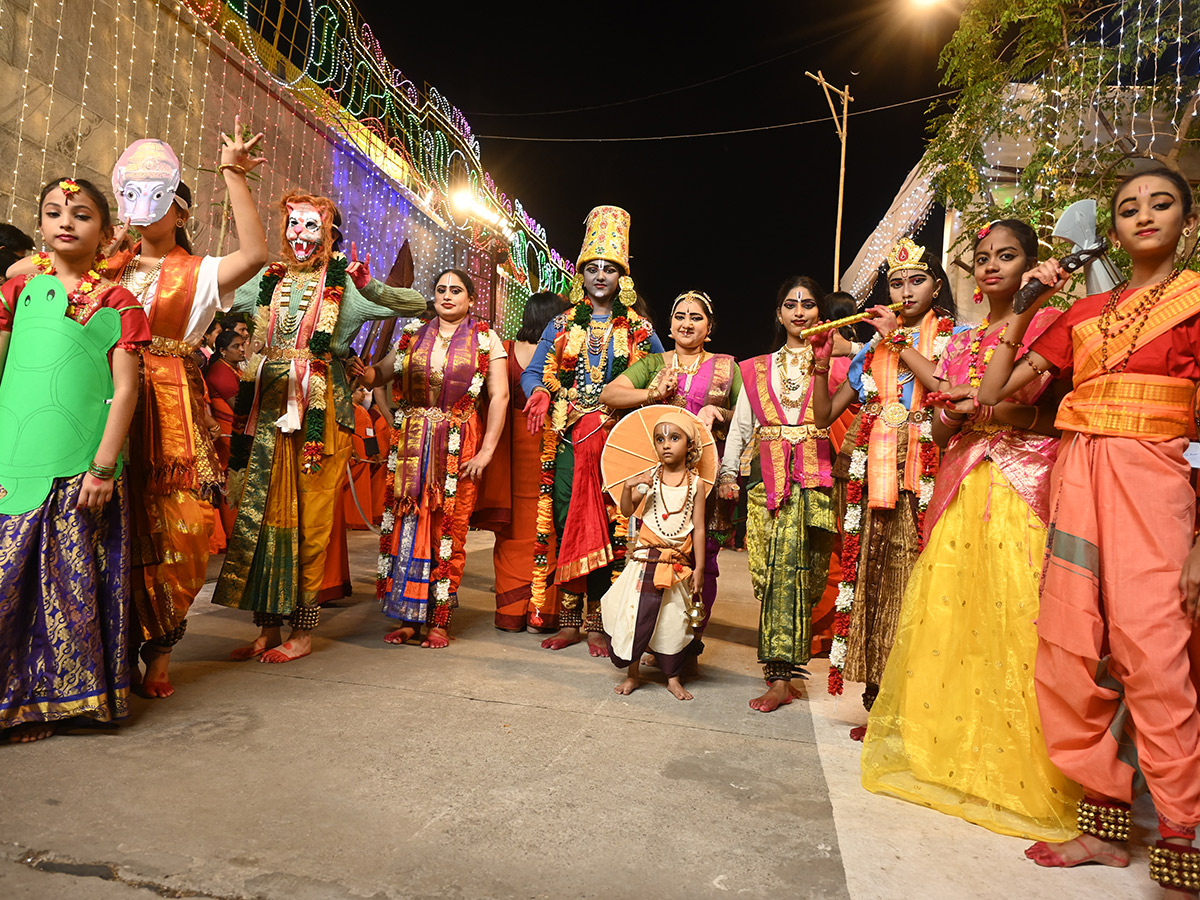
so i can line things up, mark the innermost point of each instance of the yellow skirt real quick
(956, 725)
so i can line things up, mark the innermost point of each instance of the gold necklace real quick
(137, 283)
(291, 321)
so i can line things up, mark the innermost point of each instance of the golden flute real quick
(847, 320)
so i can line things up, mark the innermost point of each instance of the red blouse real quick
(1173, 354)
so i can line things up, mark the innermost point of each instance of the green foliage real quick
(1037, 71)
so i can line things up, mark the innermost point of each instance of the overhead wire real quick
(704, 134)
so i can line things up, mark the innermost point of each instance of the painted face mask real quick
(305, 232)
(145, 180)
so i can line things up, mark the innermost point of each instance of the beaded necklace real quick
(667, 512)
(1136, 318)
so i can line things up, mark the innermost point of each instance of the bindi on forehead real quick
(1143, 189)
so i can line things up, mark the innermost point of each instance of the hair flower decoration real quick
(68, 186)
(986, 229)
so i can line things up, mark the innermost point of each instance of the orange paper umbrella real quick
(629, 450)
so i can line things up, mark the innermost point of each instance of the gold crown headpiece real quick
(699, 296)
(906, 255)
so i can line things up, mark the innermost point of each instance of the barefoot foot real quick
(649, 659)
(155, 684)
(858, 733)
(628, 686)
(270, 637)
(299, 644)
(436, 638)
(29, 732)
(401, 635)
(1086, 848)
(597, 645)
(678, 690)
(780, 693)
(565, 638)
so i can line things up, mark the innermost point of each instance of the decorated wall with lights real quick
(339, 119)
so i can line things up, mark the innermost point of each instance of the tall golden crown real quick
(906, 255)
(606, 236)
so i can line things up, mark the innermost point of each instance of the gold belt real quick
(793, 433)
(279, 353)
(161, 346)
(424, 412)
(895, 414)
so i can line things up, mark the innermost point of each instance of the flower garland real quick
(77, 304)
(319, 344)
(463, 407)
(624, 322)
(856, 498)
(975, 373)
(559, 377)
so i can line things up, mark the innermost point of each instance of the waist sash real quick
(1131, 405)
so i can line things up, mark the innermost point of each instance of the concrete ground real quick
(491, 769)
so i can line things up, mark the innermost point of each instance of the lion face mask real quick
(307, 230)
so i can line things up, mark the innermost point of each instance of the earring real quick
(1187, 232)
(978, 295)
(179, 223)
(1116, 244)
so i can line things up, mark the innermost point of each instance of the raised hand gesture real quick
(359, 270)
(237, 151)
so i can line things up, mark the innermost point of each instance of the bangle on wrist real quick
(950, 420)
(1036, 412)
(232, 167)
(102, 473)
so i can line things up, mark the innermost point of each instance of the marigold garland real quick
(458, 413)
(81, 301)
(544, 526)
(856, 499)
(975, 374)
(319, 344)
(631, 341)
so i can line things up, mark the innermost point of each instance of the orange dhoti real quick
(172, 459)
(1118, 660)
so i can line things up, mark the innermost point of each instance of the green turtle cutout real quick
(54, 393)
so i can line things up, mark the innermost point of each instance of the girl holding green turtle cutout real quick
(68, 386)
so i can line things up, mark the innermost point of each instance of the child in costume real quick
(966, 632)
(1118, 657)
(68, 385)
(647, 607)
(887, 462)
(707, 384)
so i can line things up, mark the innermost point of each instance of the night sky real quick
(731, 215)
